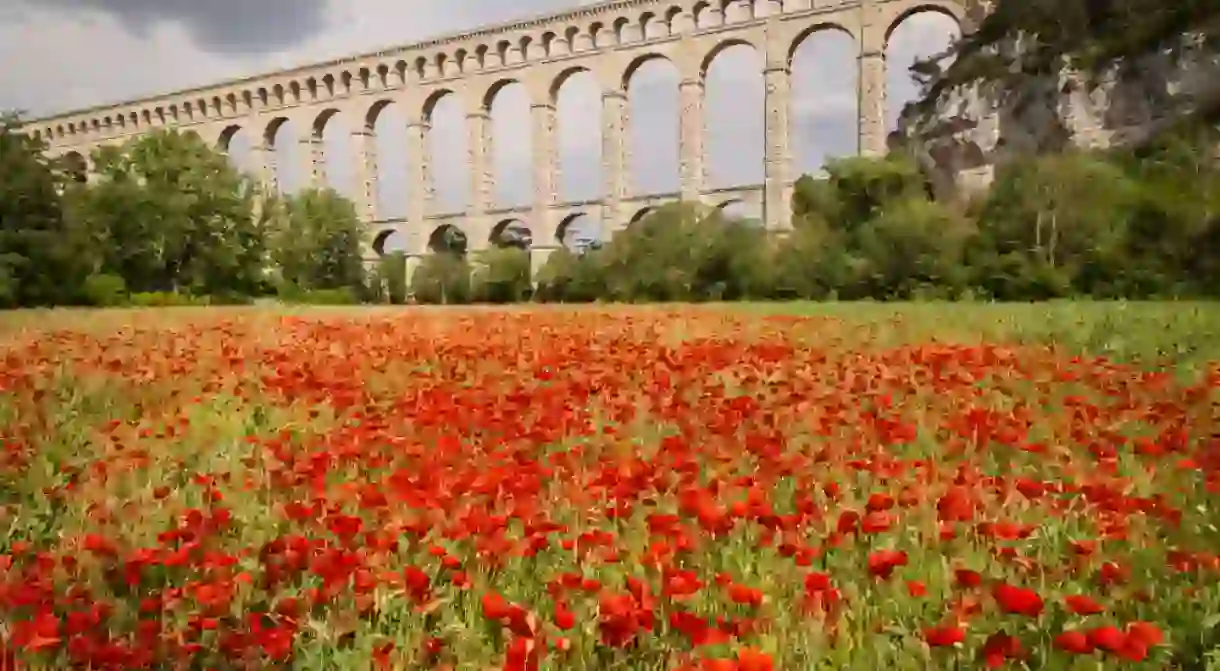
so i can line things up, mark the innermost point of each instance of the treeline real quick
(1133, 223)
(165, 220)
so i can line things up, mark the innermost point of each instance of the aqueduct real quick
(609, 40)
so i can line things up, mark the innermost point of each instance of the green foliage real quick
(442, 279)
(104, 290)
(392, 275)
(165, 299)
(572, 278)
(1069, 214)
(340, 296)
(40, 252)
(502, 275)
(316, 240)
(858, 188)
(914, 247)
(171, 214)
(682, 252)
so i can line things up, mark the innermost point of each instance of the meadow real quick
(833, 486)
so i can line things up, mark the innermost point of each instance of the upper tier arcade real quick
(610, 40)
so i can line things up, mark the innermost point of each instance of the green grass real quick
(1181, 335)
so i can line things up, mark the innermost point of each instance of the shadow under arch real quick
(387, 241)
(447, 239)
(641, 214)
(76, 167)
(511, 233)
(226, 136)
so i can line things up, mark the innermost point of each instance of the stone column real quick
(614, 142)
(365, 143)
(776, 209)
(315, 162)
(421, 192)
(692, 131)
(260, 156)
(478, 126)
(871, 85)
(271, 169)
(543, 116)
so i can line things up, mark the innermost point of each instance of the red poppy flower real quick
(944, 636)
(1083, 605)
(1018, 600)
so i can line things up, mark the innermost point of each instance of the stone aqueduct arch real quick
(610, 40)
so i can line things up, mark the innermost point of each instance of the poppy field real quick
(603, 488)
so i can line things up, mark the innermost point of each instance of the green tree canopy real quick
(317, 240)
(40, 254)
(174, 214)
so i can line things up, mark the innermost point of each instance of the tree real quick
(172, 214)
(317, 241)
(502, 276)
(1067, 214)
(41, 255)
(1020, 41)
(443, 278)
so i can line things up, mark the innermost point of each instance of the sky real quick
(60, 55)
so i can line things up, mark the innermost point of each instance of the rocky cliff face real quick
(979, 131)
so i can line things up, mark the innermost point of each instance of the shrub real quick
(341, 296)
(914, 247)
(164, 299)
(105, 290)
(443, 279)
(567, 277)
(392, 271)
(502, 276)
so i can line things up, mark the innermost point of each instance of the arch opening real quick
(579, 232)
(448, 148)
(511, 234)
(640, 215)
(76, 167)
(511, 137)
(578, 143)
(388, 125)
(736, 209)
(389, 241)
(824, 122)
(653, 127)
(920, 33)
(447, 239)
(735, 115)
(338, 171)
(285, 154)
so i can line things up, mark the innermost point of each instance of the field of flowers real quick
(603, 488)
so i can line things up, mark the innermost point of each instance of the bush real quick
(392, 271)
(502, 276)
(105, 290)
(915, 247)
(567, 277)
(442, 279)
(164, 299)
(342, 296)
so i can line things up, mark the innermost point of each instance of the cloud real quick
(225, 26)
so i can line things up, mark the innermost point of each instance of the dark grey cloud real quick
(221, 26)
